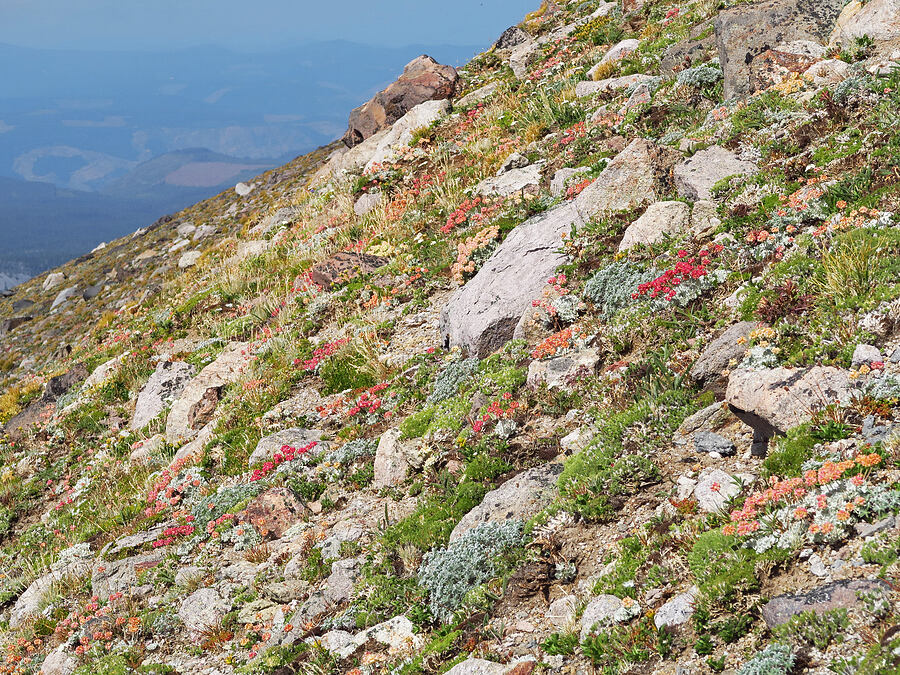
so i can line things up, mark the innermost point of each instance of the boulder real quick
(187, 414)
(274, 511)
(511, 37)
(63, 295)
(522, 56)
(295, 437)
(340, 583)
(778, 399)
(244, 189)
(704, 218)
(562, 612)
(610, 84)
(695, 177)
(475, 666)
(562, 372)
(706, 442)
(401, 132)
(121, 576)
(676, 611)
(558, 183)
(189, 259)
(345, 266)
(483, 314)
(717, 356)
(515, 160)
(521, 180)
(660, 219)
(73, 562)
(58, 662)
(53, 280)
(632, 179)
(747, 30)
(366, 203)
(165, 385)
(394, 458)
(876, 19)
(844, 594)
(478, 95)
(519, 498)
(203, 609)
(620, 51)
(866, 355)
(714, 489)
(9, 325)
(423, 79)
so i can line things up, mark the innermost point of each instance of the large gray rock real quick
(340, 583)
(519, 498)
(401, 132)
(747, 30)
(718, 354)
(482, 315)
(876, 19)
(632, 179)
(844, 594)
(660, 219)
(522, 180)
(72, 563)
(165, 385)
(202, 609)
(563, 371)
(783, 398)
(676, 611)
(591, 87)
(63, 295)
(695, 177)
(121, 576)
(296, 438)
(185, 418)
(58, 662)
(393, 458)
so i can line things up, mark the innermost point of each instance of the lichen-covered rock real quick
(121, 576)
(563, 372)
(747, 30)
(844, 594)
(718, 355)
(296, 438)
(274, 511)
(660, 219)
(695, 177)
(519, 498)
(165, 385)
(394, 457)
(202, 610)
(676, 611)
(184, 420)
(524, 180)
(345, 266)
(714, 489)
(72, 563)
(878, 20)
(786, 397)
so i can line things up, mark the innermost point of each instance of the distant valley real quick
(96, 144)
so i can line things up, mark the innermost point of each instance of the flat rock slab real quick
(514, 181)
(786, 397)
(345, 266)
(660, 219)
(563, 372)
(519, 498)
(695, 177)
(296, 438)
(844, 594)
(165, 385)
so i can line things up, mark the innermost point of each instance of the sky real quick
(253, 26)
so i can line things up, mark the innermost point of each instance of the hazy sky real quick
(249, 24)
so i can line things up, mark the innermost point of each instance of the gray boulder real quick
(519, 498)
(513, 181)
(563, 371)
(747, 30)
(660, 219)
(678, 610)
(394, 458)
(706, 442)
(695, 177)
(730, 346)
(164, 386)
(296, 438)
(844, 594)
(202, 609)
(876, 19)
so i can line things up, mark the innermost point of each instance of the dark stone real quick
(842, 594)
(531, 579)
(685, 55)
(511, 37)
(772, 67)
(22, 305)
(9, 325)
(423, 79)
(344, 266)
(59, 385)
(202, 411)
(730, 345)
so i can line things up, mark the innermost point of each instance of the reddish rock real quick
(423, 79)
(274, 511)
(345, 266)
(835, 595)
(773, 67)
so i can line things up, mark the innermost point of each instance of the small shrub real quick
(611, 288)
(560, 643)
(775, 659)
(479, 555)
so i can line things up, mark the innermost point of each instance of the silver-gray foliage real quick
(611, 288)
(451, 378)
(776, 659)
(448, 574)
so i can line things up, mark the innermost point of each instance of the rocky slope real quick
(582, 358)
